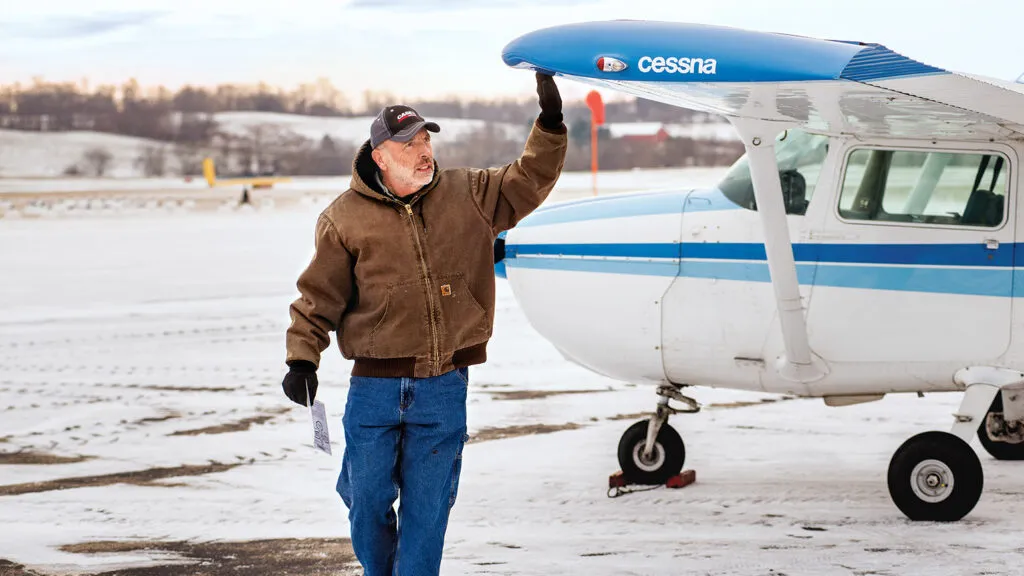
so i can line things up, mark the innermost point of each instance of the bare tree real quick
(152, 160)
(98, 159)
(190, 158)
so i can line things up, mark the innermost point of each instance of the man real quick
(404, 273)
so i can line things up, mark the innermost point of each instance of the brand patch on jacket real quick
(446, 290)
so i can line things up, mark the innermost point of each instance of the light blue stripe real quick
(964, 281)
(741, 271)
(630, 267)
(618, 250)
(908, 279)
(630, 204)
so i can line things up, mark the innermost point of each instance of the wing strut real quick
(798, 363)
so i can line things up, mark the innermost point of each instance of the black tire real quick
(945, 459)
(999, 450)
(669, 455)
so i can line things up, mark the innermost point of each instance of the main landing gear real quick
(937, 476)
(651, 451)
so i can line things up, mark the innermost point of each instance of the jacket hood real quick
(364, 175)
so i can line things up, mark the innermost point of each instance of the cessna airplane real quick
(864, 245)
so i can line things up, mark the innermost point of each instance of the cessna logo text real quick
(677, 65)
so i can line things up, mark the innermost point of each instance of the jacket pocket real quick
(375, 332)
(465, 320)
(402, 329)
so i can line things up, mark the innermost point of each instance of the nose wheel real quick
(665, 460)
(651, 451)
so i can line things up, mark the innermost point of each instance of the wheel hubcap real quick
(932, 481)
(651, 464)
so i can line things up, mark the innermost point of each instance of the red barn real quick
(638, 131)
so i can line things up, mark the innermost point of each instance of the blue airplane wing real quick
(825, 86)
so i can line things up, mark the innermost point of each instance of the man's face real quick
(407, 165)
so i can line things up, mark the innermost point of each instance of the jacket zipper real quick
(430, 297)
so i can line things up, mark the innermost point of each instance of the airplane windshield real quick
(799, 156)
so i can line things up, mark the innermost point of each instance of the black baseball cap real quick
(399, 123)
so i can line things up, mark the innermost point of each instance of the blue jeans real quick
(403, 437)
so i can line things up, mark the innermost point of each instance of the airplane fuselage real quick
(906, 258)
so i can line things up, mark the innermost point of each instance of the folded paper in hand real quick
(321, 434)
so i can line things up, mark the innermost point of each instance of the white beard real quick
(407, 177)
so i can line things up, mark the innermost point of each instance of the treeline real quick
(132, 110)
(185, 129)
(489, 147)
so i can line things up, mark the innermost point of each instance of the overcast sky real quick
(440, 47)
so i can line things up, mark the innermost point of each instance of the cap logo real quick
(404, 115)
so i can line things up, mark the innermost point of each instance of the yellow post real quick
(209, 172)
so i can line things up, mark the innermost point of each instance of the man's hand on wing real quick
(550, 101)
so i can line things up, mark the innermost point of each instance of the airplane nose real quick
(590, 276)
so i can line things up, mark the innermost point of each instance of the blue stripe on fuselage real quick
(908, 254)
(937, 268)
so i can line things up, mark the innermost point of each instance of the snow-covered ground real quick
(99, 197)
(155, 342)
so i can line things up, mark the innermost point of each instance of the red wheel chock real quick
(618, 485)
(681, 480)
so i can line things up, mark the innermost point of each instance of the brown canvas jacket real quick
(408, 287)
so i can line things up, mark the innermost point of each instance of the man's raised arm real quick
(506, 194)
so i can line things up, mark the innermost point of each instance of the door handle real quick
(991, 243)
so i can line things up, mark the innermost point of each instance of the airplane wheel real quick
(935, 476)
(665, 462)
(999, 450)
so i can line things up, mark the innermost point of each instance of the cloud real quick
(451, 5)
(66, 28)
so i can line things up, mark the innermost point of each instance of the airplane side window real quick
(951, 188)
(799, 156)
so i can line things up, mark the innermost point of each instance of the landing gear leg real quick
(651, 451)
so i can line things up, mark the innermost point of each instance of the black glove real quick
(301, 374)
(550, 102)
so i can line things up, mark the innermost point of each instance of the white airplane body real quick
(866, 244)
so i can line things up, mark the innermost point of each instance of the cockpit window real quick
(799, 155)
(924, 187)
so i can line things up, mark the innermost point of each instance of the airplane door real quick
(915, 259)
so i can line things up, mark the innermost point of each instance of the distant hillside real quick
(25, 154)
(51, 154)
(317, 145)
(354, 131)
